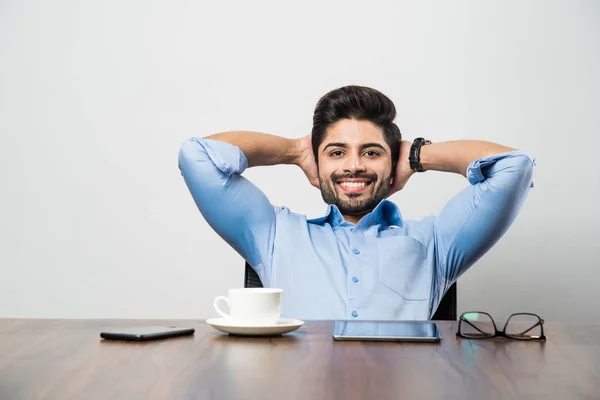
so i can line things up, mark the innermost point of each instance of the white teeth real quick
(353, 184)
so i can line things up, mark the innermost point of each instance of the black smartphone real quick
(144, 333)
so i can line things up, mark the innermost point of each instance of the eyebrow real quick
(345, 146)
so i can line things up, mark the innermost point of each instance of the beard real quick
(355, 203)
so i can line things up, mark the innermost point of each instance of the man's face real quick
(355, 166)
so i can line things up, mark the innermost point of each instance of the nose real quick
(354, 164)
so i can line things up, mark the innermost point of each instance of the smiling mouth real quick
(353, 187)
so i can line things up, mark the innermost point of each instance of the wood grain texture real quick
(66, 359)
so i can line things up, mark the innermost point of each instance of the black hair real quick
(360, 103)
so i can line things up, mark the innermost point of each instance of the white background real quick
(96, 97)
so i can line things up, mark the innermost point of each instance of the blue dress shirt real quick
(382, 268)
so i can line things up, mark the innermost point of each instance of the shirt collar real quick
(333, 216)
(386, 213)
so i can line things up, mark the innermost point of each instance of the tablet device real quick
(400, 331)
(144, 333)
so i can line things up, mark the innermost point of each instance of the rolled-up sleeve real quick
(232, 205)
(475, 219)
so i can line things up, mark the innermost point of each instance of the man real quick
(361, 260)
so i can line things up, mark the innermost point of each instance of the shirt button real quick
(354, 314)
(356, 251)
(354, 279)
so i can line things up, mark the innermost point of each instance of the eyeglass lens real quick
(477, 325)
(523, 326)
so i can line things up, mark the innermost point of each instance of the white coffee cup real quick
(251, 306)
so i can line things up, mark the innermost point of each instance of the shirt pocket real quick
(403, 267)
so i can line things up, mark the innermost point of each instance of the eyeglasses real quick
(480, 325)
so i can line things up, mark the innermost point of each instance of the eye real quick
(336, 153)
(371, 153)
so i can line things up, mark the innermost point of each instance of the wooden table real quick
(66, 359)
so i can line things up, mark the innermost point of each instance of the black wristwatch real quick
(414, 157)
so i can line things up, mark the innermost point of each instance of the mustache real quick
(360, 175)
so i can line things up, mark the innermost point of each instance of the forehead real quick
(354, 133)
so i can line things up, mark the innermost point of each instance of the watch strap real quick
(414, 157)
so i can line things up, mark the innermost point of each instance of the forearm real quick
(261, 149)
(456, 156)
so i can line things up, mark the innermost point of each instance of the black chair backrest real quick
(446, 310)
(251, 278)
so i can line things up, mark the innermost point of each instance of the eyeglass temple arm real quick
(480, 331)
(525, 331)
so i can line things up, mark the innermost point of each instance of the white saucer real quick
(227, 325)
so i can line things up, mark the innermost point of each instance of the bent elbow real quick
(186, 152)
(516, 171)
(524, 166)
(190, 153)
